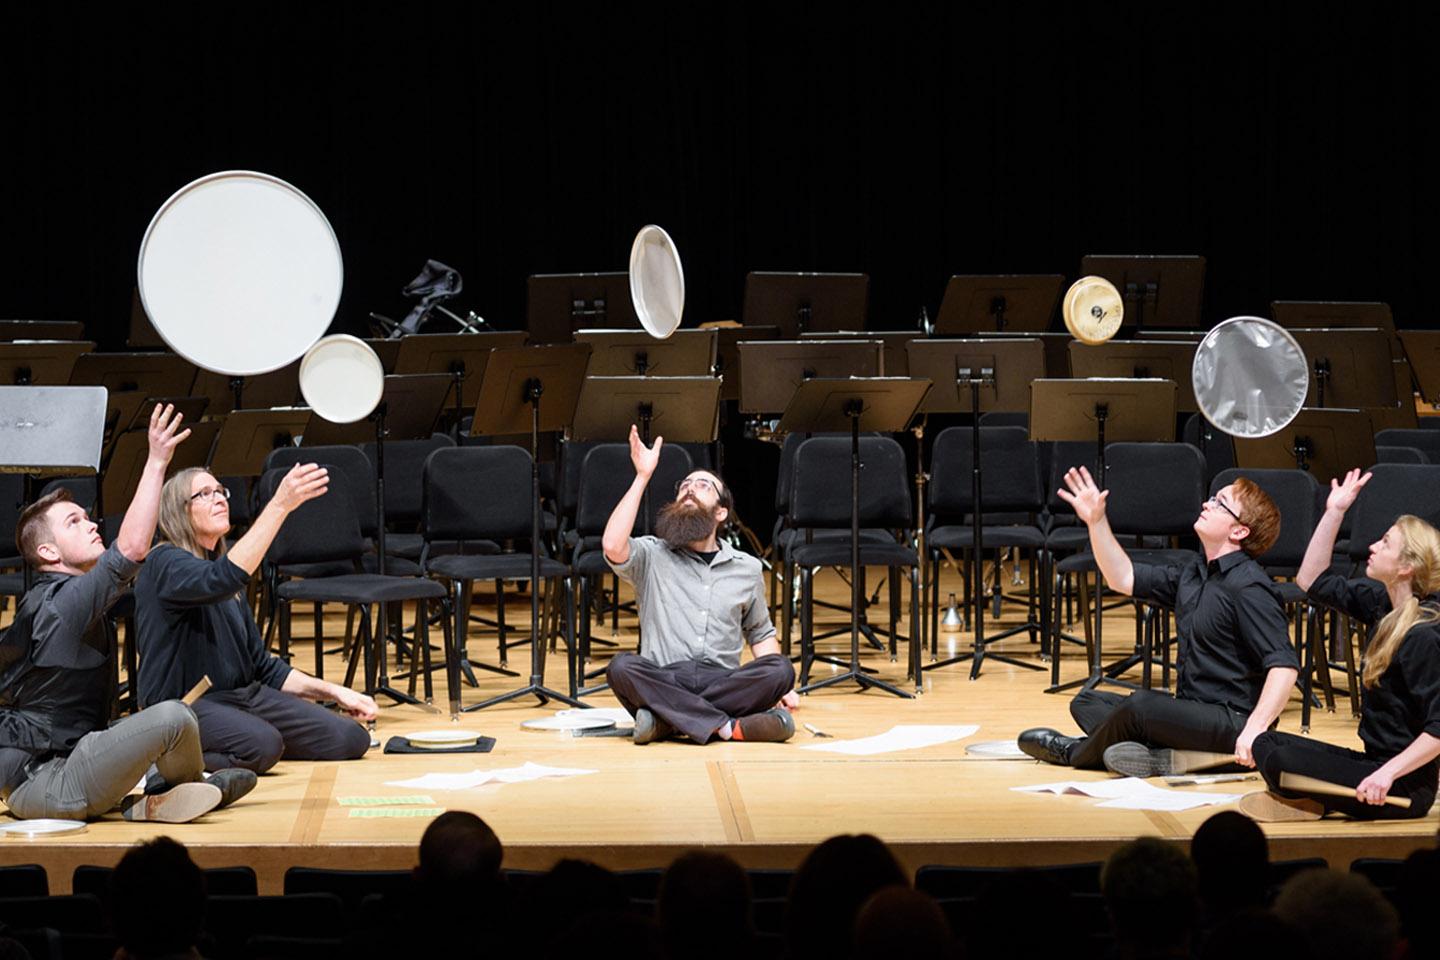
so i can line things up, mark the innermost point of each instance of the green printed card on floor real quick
(405, 812)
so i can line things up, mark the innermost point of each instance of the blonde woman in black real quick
(1400, 718)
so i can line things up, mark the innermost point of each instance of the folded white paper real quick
(1131, 793)
(902, 737)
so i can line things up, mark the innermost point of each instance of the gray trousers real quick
(107, 764)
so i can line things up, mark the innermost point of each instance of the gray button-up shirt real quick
(693, 611)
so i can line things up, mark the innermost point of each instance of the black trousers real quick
(1154, 719)
(255, 726)
(1279, 752)
(697, 698)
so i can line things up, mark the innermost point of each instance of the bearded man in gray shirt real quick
(700, 602)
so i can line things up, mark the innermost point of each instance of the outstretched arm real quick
(137, 530)
(1088, 501)
(305, 481)
(616, 540)
(1322, 541)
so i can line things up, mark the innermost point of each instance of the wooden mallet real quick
(1298, 781)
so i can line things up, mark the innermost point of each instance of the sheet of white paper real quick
(1170, 800)
(901, 737)
(1130, 793)
(475, 778)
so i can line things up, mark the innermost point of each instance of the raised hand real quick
(305, 481)
(1087, 500)
(1343, 494)
(165, 433)
(645, 459)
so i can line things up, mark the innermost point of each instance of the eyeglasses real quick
(1217, 502)
(696, 483)
(209, 494)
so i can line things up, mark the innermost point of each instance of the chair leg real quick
(319, 643)
(501, 629)
(285, 632)
(1319, 655)
(894, 583)
(917, 618)
(422, 640)
(358, 648)
(1350, 671)
(787, 598)
(807, 640)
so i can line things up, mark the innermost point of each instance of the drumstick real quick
(197, 691)
(1189, 760)
(1298, 781)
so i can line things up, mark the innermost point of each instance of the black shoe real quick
(649, 728)
(1048, 745)
(233, 782)
(770, 726)
(1131, 759)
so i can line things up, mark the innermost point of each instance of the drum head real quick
(1250, 377)
(1093, 310)
(657, 284)
(240, 272)
(342, 378)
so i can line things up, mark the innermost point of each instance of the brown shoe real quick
(1267, 807)
(773, 726)
(179, 804)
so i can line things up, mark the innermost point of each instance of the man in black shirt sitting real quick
(57, 757)
(1236, 665)
(193, 621)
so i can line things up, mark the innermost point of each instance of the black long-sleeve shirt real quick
(1405, 701)
(1231, 625)
(56, 678)
(191, 621)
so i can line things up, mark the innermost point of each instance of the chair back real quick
(350, 474)
(1066, 455)
(1155, 488)
(608, 473)
(405, 475)
(478, 493)
(1295, 496)
(1393, 489)
(321, 530)
(821, 495)
(1010, 465)
(1388, 454)
(1426, 441)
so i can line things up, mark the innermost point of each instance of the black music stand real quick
(408, 409)
(788, 363)
(872, 404)
(1327, 443)
(1423, 349)
(1348, 367)
(727, 355)
(41, 330)
(987, 372)
(558, 304)
(47, 363)
(800, 303)
(1109, 410)
(1329, 315)
(261, 391)
(895, 362)
(1158, 291)
(510, 390)
(50, 432)
(387, 349)
(461, 356)
(1015, 303)
(635, 353)
(248, 436)
(1140, 359)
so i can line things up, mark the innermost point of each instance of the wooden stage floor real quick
(765, 804)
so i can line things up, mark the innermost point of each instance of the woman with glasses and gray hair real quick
(192, 621)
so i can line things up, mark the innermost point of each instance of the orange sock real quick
(735, 732)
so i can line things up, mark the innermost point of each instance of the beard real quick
(683, 522)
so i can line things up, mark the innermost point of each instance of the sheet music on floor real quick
(476, 778)
(1131, 793)
(899, 737)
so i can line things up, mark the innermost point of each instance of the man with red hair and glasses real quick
(700, 602)
(1236, 665)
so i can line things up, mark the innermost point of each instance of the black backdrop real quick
(1290, 143)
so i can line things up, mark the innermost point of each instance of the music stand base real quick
(541, 692)
(865, 682)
